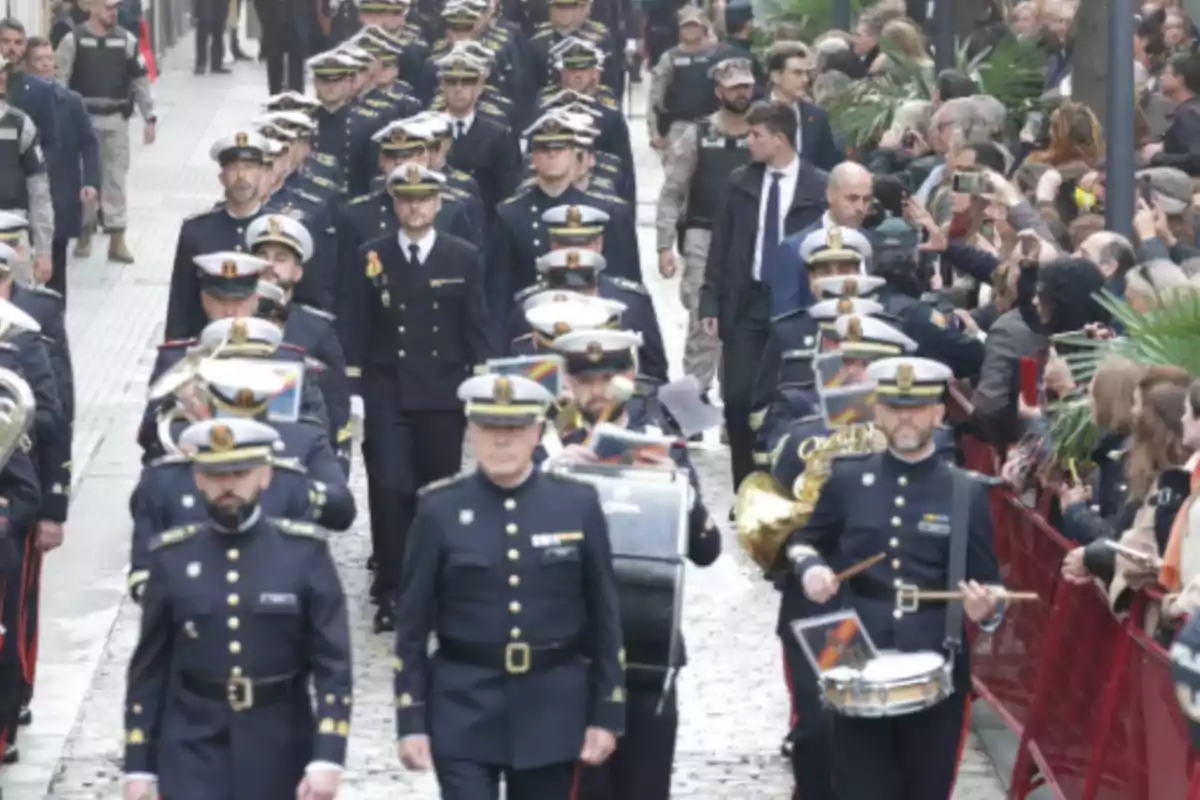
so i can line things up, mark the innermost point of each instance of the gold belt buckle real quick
(240, 693)
(518, 658)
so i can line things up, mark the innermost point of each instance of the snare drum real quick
(891, 685)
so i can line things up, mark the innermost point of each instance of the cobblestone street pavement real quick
(733, 703)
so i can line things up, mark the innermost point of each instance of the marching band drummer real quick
(511, 567)
(859, 340)
(899, 502)
(641, 767)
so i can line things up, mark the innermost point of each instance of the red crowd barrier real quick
(1088, 694)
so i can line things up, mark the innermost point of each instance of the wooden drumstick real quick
(909, 597)
(861, 566)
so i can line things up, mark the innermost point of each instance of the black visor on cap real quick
(228, 288)
(600, 361)
(571, 278)
(250, 154)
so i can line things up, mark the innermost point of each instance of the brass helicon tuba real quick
(17, 407)
(768, 512)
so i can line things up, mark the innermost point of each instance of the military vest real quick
(690, 96)
(13, 191)
(716, 157)
(102, 73)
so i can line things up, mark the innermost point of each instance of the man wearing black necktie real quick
(417, 329)
(774, 197)
(790, 66)
(483, 148)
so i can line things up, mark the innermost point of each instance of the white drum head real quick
(841, 673)
(900, 666)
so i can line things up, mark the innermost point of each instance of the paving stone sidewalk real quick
(733, 703)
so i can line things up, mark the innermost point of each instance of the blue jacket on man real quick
(35, 96)
(77, 144)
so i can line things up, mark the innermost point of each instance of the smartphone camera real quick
(970, 182)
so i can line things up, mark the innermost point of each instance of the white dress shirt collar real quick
(424, 244)
(466, 121)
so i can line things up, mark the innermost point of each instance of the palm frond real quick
(1167, 335)
(813, 17)
(1073, 435)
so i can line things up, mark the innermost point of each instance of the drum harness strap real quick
(960, 534)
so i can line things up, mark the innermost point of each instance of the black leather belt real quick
(874, 590)
(241, 693)
(515, 658)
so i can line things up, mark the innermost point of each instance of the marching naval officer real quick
(510, 566)
(640, 769)
(166, 494)
(418, 326)
(899, 502)
(239, 614)
(286, 246)
(242, 158)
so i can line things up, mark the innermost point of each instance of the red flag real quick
(145, 49)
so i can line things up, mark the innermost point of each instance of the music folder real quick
(838, 639)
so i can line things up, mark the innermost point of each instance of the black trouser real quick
(58, 260)
(404, 450)
(811, 767)
(235, 45)
(742, 348)
(914, 757)
(467, 780)
(282, 43)
(640, 769)
(209, 18)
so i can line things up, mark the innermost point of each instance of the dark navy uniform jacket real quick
(166, 497)
(491, 104)
(371, 216)
(794, 332)
(461, 214)
(424, 326)
(346, 134)
(519, 237)
(791, 404)
(879, 503)
(936, 338)
(51, 432)
(489, 567)
(262, 604)
(19, 485)
(76, 162)
(207, 232)
(35, 96)
(314, 332)
(312, 402)
(638, 316)
(488, 152)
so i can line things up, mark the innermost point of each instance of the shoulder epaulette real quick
(527, 291)
(371, 101)
(312, 198)
(455, 191)
(305, 529)
(566, 477)
(317, 312)
(525, 184)
(603, 183)
(521, 192)
(362, 198)
(458, 174)
(607, 101)
(46, 290)
(172, 343)
(366, 112)
(289, 464)
(319, 181)
(326, 159)
(523, 337)
(629, 286)
(439, 44)
(173, 458)
(174, 536)
(610, 198)
(442, 484)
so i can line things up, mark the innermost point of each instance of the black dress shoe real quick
(238, 55)
(11, 754)
(26, 717)
(385, 620)
(221, 71)
(785, 749)
(199, 69)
